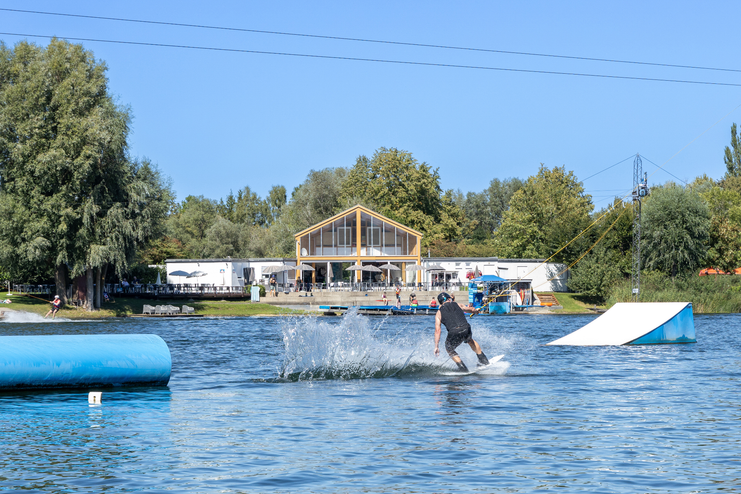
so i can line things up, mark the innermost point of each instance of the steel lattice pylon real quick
(640, 190)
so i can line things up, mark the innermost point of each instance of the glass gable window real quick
(389, 240)
(340, 238)
(334, 239)
(412, 245)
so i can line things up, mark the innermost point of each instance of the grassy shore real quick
(123, 307)
(574, 303)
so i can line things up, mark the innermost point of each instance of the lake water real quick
(360, 404)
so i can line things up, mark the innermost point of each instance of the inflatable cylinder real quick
(83, 361)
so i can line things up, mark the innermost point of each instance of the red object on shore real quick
(709, 271)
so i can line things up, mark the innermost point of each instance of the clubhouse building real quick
(362, 249)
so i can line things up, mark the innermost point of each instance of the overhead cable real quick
(661, 167)
(670, 173)
(376, 60)
(377, 41)
(611, 166)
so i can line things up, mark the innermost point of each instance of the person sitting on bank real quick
(56, 304)
(451, 314)
(413, 300)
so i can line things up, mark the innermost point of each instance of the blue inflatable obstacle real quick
(83, 361)
(646, 323)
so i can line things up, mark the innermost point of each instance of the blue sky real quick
(217, 121)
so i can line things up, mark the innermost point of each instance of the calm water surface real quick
(360, 404)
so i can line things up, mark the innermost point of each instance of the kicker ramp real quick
(647, 323)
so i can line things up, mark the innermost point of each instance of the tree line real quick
(74, 203)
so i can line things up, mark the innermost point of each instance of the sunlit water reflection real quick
(362, 404)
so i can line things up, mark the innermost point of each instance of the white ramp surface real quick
(638, 323)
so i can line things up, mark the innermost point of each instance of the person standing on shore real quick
(453, 316)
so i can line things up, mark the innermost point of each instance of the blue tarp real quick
(487, 277)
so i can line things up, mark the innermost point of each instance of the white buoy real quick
(94, 397)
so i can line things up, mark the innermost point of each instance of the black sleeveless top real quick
(453, 317)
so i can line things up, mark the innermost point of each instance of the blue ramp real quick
(648, 323)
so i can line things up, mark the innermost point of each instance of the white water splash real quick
(358, 348)
(323, 349)
(19, 316)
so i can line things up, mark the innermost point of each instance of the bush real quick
(594, 276)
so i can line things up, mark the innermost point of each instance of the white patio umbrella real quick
(355, 267)
(372, 269)
(159, 280)
(180, 274)
(197, 274)
(389, 267)
(415, 267)
(278, 269)
(303, 267)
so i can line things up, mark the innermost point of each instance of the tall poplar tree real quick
(71, 201)
(732, 156)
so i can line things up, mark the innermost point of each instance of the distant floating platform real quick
(646, 323)
(165, 315)
(405, 310)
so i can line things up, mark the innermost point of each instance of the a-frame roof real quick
(363, 209)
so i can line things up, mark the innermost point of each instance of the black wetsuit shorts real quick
(457, 336)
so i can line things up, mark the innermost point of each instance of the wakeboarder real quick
(451, 314)
(56, 304)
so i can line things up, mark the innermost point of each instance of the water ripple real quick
(362, 404)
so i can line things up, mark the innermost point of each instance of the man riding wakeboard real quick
(451, 314)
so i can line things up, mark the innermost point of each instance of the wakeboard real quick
(478, 370)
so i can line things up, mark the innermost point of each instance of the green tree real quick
(596, 274)
(732, 156)
(70, 198)
(675, 230)
(250, 209)
(190, 221)
(314, 200)
(317, 198)
(544, 215)
(724, 243)
(396, 185)
(484, 210)
(275, 201)
(225, 239)
(162, 248)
